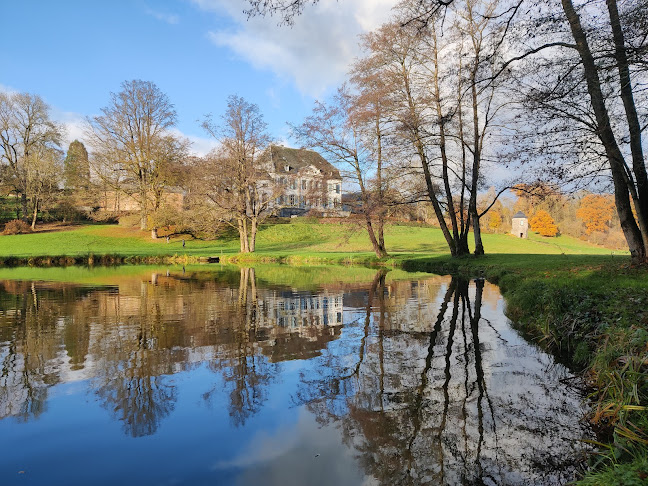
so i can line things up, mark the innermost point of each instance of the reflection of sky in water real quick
(199, 382)
(298, 454)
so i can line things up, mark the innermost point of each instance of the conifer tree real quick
(76, 168)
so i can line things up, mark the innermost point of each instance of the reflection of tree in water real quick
(446, 406)
(424, 387)
(130, 337)
(133, 387)
(29, 346)
(246, 374)
(136, 359)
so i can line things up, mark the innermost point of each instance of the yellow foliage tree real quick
(596, 212)
(495, 220)
(543, 223)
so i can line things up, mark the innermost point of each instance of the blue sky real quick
(75, 52)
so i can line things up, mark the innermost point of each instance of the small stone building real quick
(520, 225)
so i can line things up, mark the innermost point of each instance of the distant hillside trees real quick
(29, 151)
(596, 212)
(133, 145)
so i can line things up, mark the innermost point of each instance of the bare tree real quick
(392, 53)
(28, 138)
(339, 130)
(287, 10)
(133, 142)
(43, 178)
(610, 45)
(235, 179)
(587, 95)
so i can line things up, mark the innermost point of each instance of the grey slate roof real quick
(296, 159)
(519, 214)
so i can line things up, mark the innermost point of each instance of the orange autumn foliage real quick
(596, 212)
(543, 223)
(495, 220)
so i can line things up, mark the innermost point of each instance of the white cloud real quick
(74, 129)
(73, 124)
(200, 146)
(315, 52)
(168, 18)
(7, 89)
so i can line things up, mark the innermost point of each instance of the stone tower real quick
(520, 225)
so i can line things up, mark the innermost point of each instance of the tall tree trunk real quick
(381, 199)
(380, 252)
(463, 220)
(368, 209)
(622, 185)
(243, 235)
(143, 211)
(35, 215)
(253, 233)
(23, 205)
(455, 250)
(472, 205)
(420, 150)
(442, 146)
(640, 197)
(479, 246)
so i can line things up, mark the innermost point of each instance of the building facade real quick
(520, 225)
(304, 181)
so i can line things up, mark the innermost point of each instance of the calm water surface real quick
(192, 377)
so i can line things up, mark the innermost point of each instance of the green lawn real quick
(295, 240)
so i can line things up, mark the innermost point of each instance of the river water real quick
(278, 377)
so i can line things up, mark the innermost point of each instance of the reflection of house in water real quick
(297, 325)
(301, 311)
(275, 317)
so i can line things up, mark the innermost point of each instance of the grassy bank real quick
(293, 240)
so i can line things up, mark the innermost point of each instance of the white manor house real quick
(305, 181)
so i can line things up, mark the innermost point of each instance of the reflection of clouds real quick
(263, 448)
(297, 454)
